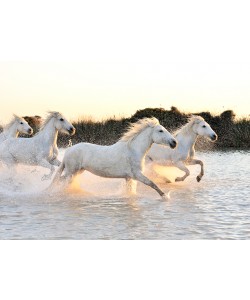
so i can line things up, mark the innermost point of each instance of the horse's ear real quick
(197, 119)
(56, 114)
(16, 117)
(154, 121)
(53, 113)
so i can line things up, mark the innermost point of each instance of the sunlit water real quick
(216, 208)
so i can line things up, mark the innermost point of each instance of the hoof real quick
(178, 179)
(166, 196)
(198, 179)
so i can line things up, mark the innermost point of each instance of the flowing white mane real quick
(13, 121)
(51, 115)
(187, 127)
(136, 128)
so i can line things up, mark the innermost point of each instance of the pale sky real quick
(106, 89)
(104, 58)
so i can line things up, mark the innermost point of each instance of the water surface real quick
(216, 208)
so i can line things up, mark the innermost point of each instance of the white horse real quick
(184, 152)
(16, 126)
(40, 150)
(124, 159)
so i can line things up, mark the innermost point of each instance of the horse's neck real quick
(142, 142)
(11, 132)
(49, 134)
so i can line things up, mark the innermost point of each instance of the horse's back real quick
(15, 142)
(94, 150)
(18, 149)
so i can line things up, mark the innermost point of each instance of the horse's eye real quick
(204, 126)
(61, 119)
(161, 130)
(21, 123)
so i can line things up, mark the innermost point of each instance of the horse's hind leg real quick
(69, 176)
(131, 186)
(198, 162)
(182, 167)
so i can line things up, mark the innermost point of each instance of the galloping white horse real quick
(40, 150)
(184, 152)
(124, 159)
(16, 126)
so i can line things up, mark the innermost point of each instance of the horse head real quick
(201, 127)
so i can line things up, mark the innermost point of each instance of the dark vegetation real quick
(232, 133)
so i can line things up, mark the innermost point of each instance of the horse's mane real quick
(185, 129)
(135, 129)
(12, 122)
(51, 115)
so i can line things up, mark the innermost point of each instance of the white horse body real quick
(107, 159)
(184, 152)
(124, 159)
(40, 150)
(16, 126)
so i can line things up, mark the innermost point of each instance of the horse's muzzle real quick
(173, 144)
(30, 131)
(72, 130)
(214, 137)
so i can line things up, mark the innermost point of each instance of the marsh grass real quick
(232, 133)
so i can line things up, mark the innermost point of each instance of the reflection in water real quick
(96, 208)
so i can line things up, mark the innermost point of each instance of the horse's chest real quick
(183, 152)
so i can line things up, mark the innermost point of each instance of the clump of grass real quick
(241, 134)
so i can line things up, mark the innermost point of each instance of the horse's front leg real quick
(55, 162)
(180, 165)
(198, 162)
(44, 163)
(142, 178)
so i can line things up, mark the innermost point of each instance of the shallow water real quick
(216, 208)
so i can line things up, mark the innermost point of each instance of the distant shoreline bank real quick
(233, 133)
